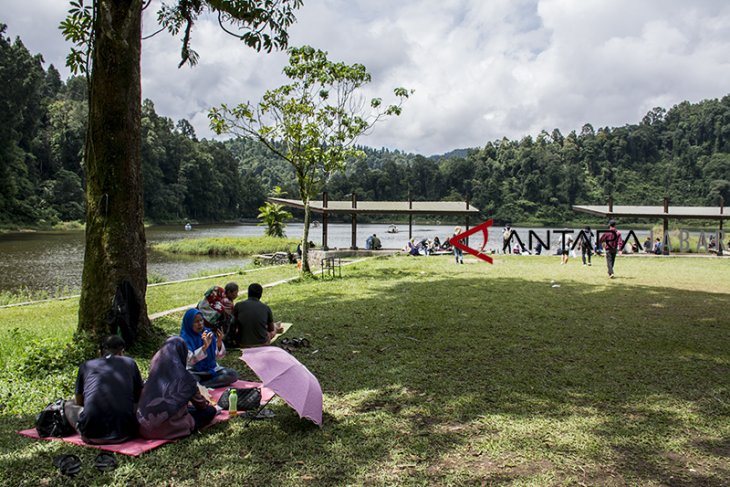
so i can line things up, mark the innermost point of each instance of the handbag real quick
(52, 421)
(248, 398)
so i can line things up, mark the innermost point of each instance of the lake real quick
(54, 260)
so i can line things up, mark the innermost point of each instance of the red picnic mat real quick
(138, 446)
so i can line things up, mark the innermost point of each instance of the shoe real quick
(589, 264)
(68, 464)
(610, 276)
(104, 462)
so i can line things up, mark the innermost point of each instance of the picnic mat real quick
(138, 446)
(286, 327)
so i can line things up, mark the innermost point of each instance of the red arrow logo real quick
(484, 227)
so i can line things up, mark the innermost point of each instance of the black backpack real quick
(124, 316)
(52, 421)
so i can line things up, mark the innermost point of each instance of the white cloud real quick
(37, 25)
(481, 69)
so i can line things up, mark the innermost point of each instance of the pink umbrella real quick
(285, 375)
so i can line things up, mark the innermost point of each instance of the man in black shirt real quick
(253, 320)
(107, 392)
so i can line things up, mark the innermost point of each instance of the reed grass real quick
(227, 246)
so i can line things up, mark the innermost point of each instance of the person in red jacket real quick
(611, 241)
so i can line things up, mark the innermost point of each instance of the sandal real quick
(263, 414)
(299, 342)
(105, 462)
(68, 464)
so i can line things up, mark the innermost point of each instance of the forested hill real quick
(683, 153)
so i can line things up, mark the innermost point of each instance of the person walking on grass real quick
(611, 241)
(585, 243)
(565, 249)
(458, 253)
(507, 239)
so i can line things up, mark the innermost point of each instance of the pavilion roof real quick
(384, 207)
(698, 212)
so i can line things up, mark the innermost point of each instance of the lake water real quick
(54, 260)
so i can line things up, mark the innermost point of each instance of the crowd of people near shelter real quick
(426, 246)
(606, 243)
(585, 243)
(112, 404)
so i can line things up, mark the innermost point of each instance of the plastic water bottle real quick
(233, 402)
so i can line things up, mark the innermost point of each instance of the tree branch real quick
(144, 38)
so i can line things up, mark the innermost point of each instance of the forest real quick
(682, 152)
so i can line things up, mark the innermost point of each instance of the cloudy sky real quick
(482, 69)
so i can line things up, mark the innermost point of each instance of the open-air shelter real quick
(325, 207)
(665, 213)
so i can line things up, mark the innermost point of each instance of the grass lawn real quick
(231, 246)
(444, 374)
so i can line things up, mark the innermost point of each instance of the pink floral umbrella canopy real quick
(284, 374)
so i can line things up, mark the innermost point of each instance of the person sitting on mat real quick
(107, 390)
(204, 347)
(217, 306)
(171, 405)
(254, 320)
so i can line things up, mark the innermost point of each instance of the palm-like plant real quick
(274, 216)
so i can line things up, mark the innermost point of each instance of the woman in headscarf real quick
(204, 347)
(171, 406)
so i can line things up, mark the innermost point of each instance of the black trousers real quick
(202, 417)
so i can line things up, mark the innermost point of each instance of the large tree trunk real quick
(115, 262)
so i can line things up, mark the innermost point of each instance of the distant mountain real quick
(450, 154)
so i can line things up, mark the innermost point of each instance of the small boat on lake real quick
(392, 229)
(188, 227)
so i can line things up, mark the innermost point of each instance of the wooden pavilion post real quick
(354, 222)
(325, 202)
(410, 216)
(467, 219)
(665, 227)
(720, 236)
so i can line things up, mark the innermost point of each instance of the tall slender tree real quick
(313, 122)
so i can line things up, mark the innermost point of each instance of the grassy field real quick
(444, 374)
